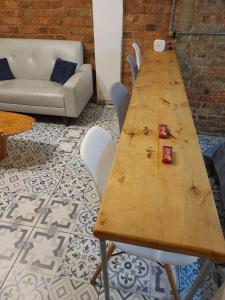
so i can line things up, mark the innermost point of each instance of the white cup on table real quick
(159, 45)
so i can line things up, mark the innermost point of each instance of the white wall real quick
(108, 30)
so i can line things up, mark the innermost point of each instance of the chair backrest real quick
(121, 99)
(218, 159)
(137, 54)
(134, 68)
(97, 151)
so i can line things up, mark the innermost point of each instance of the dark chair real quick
(121, 99)
(218, 160)
(134, 68)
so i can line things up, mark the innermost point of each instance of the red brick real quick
(72, 20)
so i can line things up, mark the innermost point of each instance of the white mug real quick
(159, 45)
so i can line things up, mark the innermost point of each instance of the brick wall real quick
(202, 61)
(144, 21)
(49, 19)
(202, 58)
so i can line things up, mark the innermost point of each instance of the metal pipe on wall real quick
(172, 18)
(198, 33)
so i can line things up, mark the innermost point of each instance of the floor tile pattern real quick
(68, 289)
(26, 285)
(48, 206)
(81, 258)
(24, 209)
(43, 251)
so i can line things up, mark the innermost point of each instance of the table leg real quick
(3, 152)
(104, 268)
(199, 280)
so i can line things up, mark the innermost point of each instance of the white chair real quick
(97, 150)
(134, 68)
(121, 99)
(137, 54)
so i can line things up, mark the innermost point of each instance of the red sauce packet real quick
(167, 155)
(163, 132)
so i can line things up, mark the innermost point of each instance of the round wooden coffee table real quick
(10, 124)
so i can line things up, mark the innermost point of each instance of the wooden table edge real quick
(184, 249)
(29, 121)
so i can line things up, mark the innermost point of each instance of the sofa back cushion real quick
(35, 59)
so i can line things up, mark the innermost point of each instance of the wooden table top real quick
(146, 202)
(12, 123)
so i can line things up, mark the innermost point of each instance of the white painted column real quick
(108, 31)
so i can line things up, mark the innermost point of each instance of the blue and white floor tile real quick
(72, 188)
(5, 199)
(67, 289)
(60, 214)
(116, 294)
(12, 239)
(130, 273)
(186, 276)
(25, 209)
(76, 167)
(42, 183)
(91, 194)
(71, 139)
(86, 219)
(160, 287)
(43, 251)
(81, 258)
(26, 285)
(48, 206)
(12, 179)
(133, 275)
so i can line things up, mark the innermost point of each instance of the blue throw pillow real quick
(5, 71)
(62, 70)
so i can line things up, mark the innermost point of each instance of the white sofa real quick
(31, 62)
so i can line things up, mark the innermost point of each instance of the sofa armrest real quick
(78, 90)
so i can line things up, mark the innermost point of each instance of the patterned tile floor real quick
(48, 206)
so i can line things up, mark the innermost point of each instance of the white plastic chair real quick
(137, 54)
(121, 99)
(133, 66)
(97, 151)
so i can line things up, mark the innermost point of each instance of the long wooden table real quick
(146, 202)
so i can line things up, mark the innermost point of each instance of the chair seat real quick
(209, 152)
(163, 257)
(208, 156)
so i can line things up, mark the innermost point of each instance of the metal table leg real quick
(104, 268)
(199, 280)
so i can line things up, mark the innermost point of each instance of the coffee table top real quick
(12, 123)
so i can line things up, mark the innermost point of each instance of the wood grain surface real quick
(12, 123)
(146, 202)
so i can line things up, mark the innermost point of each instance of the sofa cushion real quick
(62, 70)
(5, 71)
(35, 58)
(32, 92)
